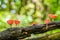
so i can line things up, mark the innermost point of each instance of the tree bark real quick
(21, 33)
(55, 36)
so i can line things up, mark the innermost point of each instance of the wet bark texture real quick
(21, 33)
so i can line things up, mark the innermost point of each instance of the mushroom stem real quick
(46, 26)
(52, 20)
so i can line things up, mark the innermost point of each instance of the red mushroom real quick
(17, 22)
(33, 23)
(10, 22)
(47, 21)
(52, 16)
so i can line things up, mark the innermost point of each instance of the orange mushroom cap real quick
(47, 21)
(10, 22)
(17, 22)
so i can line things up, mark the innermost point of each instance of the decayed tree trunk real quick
(21, 33)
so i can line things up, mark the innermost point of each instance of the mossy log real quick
(21, 33)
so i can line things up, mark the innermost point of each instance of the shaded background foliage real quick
(27, 11)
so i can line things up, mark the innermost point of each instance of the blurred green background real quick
(27, 11)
